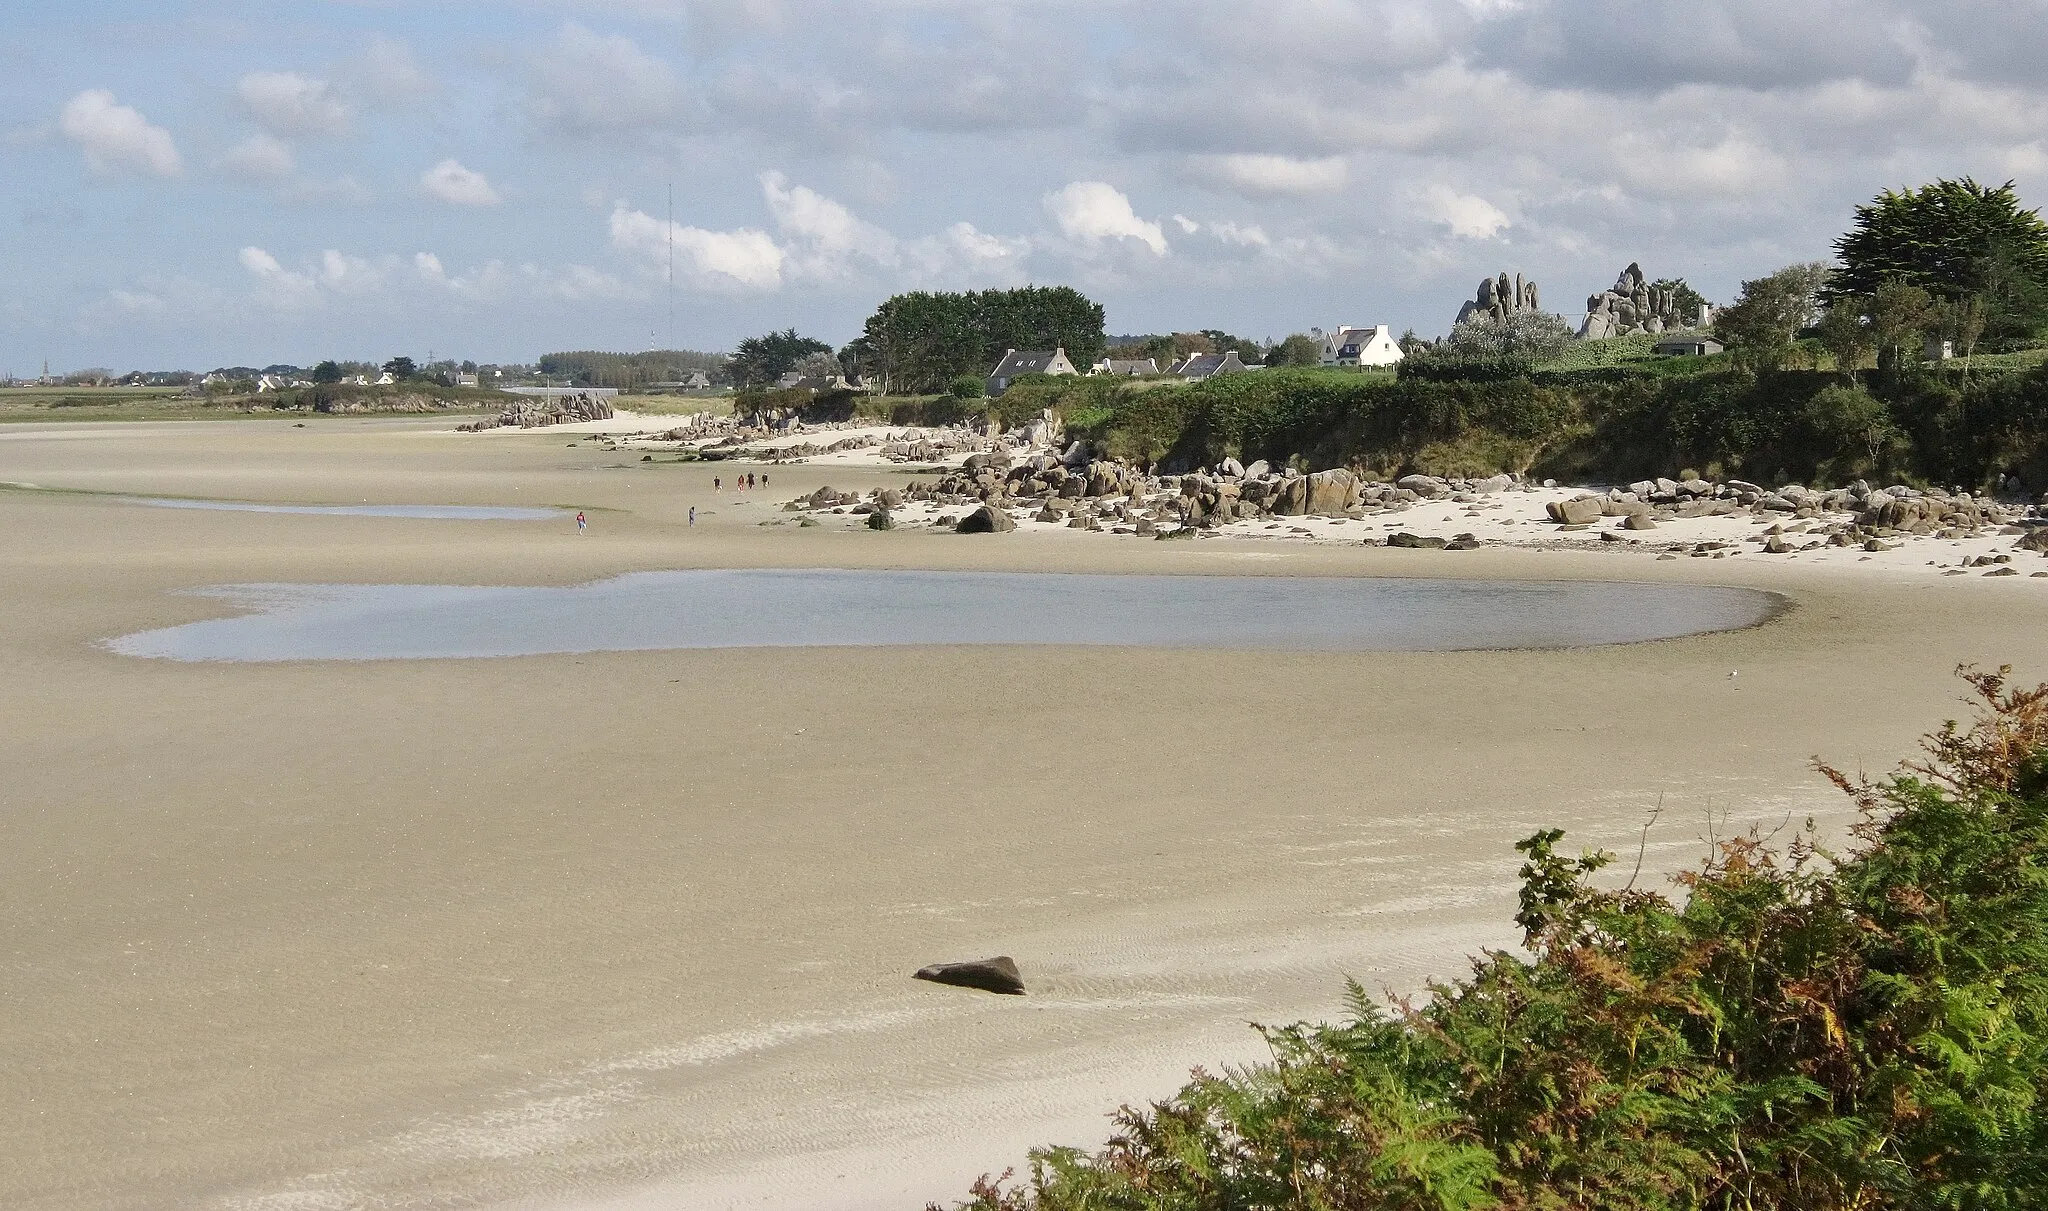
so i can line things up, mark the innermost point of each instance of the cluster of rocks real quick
(405, 401)
(933, 445)
(1499, 298)
(1858, 515)
(1091, 493)
(536, 412)
(1633, 305)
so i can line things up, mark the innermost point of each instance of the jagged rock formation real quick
(1633, 305)
(1501, 298)
(533, 412)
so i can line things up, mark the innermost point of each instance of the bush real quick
(969, 386)
(1801, 1033)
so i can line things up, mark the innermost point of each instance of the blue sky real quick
(189, 184)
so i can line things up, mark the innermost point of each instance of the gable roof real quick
(1131, 365)
(1027, 361)
(1202, 365)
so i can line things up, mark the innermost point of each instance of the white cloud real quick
(261, 157)
(1094, 211)
(831, 228)
(1468, 216)
(1247, 235)
(291, 105)
(116, 138)
(281, 284)
(458, 186)
(1187, 225)
(1267, 175)
(588, 82)
(743, 260)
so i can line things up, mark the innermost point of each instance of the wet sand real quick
(635, 929)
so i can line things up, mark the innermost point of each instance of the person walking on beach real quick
(581, 521)
(750, 481)
(693, 515)
(715, 483)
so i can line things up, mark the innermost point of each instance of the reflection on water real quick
(759, 608)
(428, 512)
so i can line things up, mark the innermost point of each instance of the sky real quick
(193, 183)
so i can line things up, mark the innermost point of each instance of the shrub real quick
(1801, 1033)
(969, 386)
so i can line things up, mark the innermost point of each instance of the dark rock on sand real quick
(990, 975)
(986, 520)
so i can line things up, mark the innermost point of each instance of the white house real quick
(269, 382)
(385, 379)
(1028, 361)
(1125, 367)
(1349, 346)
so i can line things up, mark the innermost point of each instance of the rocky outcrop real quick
(540, 411)
(1499, 298)
(989, 975)
(1633, 305)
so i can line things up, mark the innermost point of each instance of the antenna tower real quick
(671, 233)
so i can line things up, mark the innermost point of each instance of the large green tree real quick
(923, 340)
(1761, 324)
(759, 360)
(1955, 240)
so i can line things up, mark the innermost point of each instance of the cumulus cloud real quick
(1467, 215)
(829, 227)
(450, 182)
(260, 157)
(291, 105)
(1268, 175)
(746, 259)
(116, 138)
(1093, 211)
(1244, 235)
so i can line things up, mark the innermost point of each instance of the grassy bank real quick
(176, 403)
(1596, 416)
(1797, 1032)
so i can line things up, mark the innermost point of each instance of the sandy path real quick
(565, 930)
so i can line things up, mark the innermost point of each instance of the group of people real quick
(740, 483)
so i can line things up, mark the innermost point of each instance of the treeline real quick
(920, 342)
(628, 371)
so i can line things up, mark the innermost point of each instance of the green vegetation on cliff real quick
(1803, 1032)
(1580, 417)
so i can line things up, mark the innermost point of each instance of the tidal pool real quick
(646, 611)
(427, 512)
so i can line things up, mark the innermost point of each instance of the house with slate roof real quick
(1199, 366)
(1121, 367)
(1028, 361)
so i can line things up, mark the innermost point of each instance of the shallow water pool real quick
(426, 512)
(832, 608)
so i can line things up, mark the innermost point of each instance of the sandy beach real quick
(636, 929)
